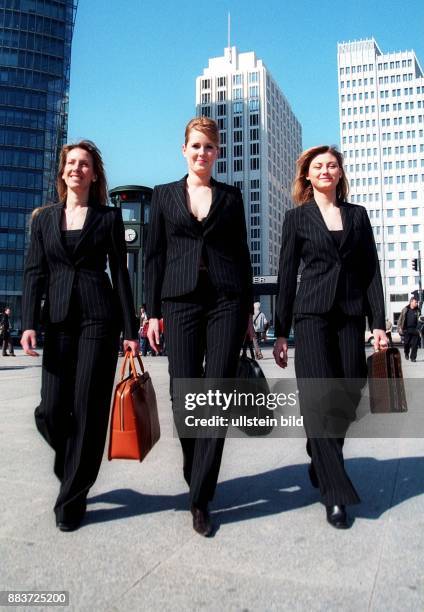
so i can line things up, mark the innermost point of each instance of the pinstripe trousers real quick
(330, 347)
(204, 332)
(79, 362)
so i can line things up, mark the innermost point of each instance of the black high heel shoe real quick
(337, 517)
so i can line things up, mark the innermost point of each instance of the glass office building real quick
(35, 56)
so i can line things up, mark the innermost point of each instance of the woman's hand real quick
(153, 334)
(280, 352)
(29, 342)
(133, 346)
(381, 341)
(250, 332)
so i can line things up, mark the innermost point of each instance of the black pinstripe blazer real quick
(176, 240)
(49, 269)
(349, 277)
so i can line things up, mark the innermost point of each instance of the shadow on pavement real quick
(382, 484)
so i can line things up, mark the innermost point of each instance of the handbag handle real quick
(248, 344)
(129, 359)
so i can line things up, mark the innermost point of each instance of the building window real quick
(237, 107)
(238, 165)
(238, 150)
(221, 167)
(254, 163)
(254, 120)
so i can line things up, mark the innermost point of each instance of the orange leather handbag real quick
(134, 425)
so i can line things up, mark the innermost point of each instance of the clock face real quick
(130, 234)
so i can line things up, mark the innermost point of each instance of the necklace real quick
(76, 216)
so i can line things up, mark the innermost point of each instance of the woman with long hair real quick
(340, 284)
(84, 312)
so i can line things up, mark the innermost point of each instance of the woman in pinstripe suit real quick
(71, 243)
(198, 275)
(340, 284)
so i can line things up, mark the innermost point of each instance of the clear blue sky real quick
(134, 66)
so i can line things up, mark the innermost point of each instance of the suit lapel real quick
(316, 217)
(218, 195)
(346, 213)
(179, 196)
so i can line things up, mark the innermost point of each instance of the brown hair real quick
(205, 125)
(98, 194)
(302, 189)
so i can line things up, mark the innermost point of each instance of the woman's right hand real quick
(153, 334)
(29, 342)
(280, 352)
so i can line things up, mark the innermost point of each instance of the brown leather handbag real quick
(385, 379)
(134, 424)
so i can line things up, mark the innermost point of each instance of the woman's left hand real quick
(250, 332)
(133, 346)
(380, 339)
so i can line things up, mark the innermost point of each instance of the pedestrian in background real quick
(408, 326)
(5, 333)
(340, 283)
(70, 246)
(199, 277)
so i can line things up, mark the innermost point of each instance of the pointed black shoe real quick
(73, 522)
(313, 476)
(201, 521)
(337, 517)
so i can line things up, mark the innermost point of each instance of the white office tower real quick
(260, 141)
(381, 102)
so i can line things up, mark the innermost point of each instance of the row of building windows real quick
(10, 261)
(9, 282)
(19, 199)
(12, 240)
(22, 159)
(47, 8)
(18, 138)
(402, 263)
(31, 79)
(12, 219)
(26, 119)
(403, 246)
(31, 41)
(30, 180)
(396, 93)
(400, 150)
(221, 81)
(403, 229)
(32, 61)
(400, 135)
(404, 280)
(25, 99)
(355, 125)
(33, 23)
(359, 83)
(375, 197)
(357, 69)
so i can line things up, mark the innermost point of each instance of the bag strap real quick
(132, 369)
(248, 344)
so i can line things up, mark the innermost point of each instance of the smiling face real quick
(324, 173)
(78, 172)
(200, 152)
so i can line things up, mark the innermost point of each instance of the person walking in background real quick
(408, 326)
(260, 325)
(71, 243)
(340, 283)
(5, 333)
(198, 275)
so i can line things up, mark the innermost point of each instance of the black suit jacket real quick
(176, 242)
(349, 277)
(49, 269)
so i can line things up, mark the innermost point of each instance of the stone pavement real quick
(272, 550)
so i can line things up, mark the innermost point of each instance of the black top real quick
(70, 239)
(337, 237)
(411, 318)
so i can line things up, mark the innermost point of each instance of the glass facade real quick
(35, 56)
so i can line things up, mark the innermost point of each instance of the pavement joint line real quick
(386, 523)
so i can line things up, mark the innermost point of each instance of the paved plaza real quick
(272, 550)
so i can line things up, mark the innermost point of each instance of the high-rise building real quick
(260, 141)
(381, 101)
(35, 57)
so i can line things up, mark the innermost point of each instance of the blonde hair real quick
(302, 190)
(98, 189)
(206, 126)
